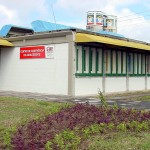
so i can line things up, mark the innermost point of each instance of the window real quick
(93, 70)
(95, 61)
(99, 60)
(130, 63)
(79, 59)
(113, 62)
(119, 57)
(135, 63)
(143, 64)
(139, 64)
(148, 64)
(83, 60)
(107, 62)
(124, 63)
(90, 60)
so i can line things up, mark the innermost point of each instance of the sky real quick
(133, 15)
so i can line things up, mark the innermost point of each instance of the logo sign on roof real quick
(32, 52)
(90, 19)
(99, 19)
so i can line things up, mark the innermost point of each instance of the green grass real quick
(136, 95)
(118, 141)
(15, 111)
(141, 98)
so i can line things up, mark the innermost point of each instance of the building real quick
(73, 62)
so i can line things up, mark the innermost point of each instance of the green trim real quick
(137, 75)
(109, 75)
(121, 62)
(77, 57)
(97, 60)
(116, 62)
(115, 75)
(88, 74)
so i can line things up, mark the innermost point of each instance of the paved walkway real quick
(122, 101)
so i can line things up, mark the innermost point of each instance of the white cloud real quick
(22, 13)
(87, 5)
(133, 28)
(133, 25)
(6, 13)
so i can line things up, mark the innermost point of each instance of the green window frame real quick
(91, 61)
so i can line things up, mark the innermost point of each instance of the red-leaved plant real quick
(35, 134)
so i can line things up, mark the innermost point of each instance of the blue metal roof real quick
(5, 29)
(41, 26)
(111, 33)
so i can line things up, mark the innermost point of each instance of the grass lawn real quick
(137, 96)
(118, 141)
(141, 98)
(16, 111)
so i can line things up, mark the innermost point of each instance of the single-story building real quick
(72, 62)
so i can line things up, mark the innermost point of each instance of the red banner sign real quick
(32, 52)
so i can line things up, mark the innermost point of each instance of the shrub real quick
(67, 139)
(102, 98)
(48, 145)
(35, 134)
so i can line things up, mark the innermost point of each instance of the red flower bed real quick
(35, 134)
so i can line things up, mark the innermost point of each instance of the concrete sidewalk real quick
(121, 100)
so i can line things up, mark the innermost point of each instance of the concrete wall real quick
(87, 85)
(148, 82)
(90, 85)
(115, 84)
(136, 83)
(34, 75)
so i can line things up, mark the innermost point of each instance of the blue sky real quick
(135, 13)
